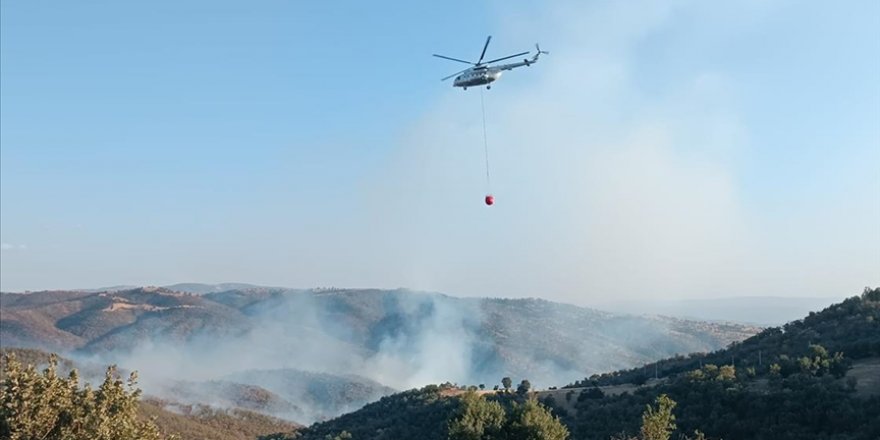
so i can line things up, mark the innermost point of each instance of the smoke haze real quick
(318, 353)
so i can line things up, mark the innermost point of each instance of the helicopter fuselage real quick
(484, 74)
(477, 77)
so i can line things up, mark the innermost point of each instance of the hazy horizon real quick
(356, 287)
(679, 150)
(754, 310)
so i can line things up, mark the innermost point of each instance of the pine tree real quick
(478, 419)
(532, 421)
(43, 405)
(658, 423)
(506, 382)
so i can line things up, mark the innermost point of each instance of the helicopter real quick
(482, 73)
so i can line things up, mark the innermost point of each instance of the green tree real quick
(592, 393)
(506, 383)
(726, 372)
(43, 405)
(658, 423)
(533, 421)
(524, 387)
(696, 375)
(478, 419)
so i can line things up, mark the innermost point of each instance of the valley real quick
(309, 355)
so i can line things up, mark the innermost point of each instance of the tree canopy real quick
(43, 405)
(479, 418)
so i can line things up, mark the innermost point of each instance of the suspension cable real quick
(485, 140)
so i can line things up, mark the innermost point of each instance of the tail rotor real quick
(537, 55)
(538, 48)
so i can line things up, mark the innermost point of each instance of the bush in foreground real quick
(43, 405)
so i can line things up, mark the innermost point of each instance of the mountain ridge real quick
(394, 339)
(369, 320)
(813, 378)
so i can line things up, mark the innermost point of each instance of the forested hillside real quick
(793, 382)
(815, 378)
(851, 327)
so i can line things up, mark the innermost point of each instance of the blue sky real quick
(675, 149)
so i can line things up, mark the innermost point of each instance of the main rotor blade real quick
(502, 59)
(456, 73)
(484, 49)
(454, 59)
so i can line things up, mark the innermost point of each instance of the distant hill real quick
(531, 337)
(198, 422)
(366, 343)
(109, 288)
(323, 395)
(285, 393)
(758, 310)
(201, 289)
(813, 378)
(229, 394)
(109, 321)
